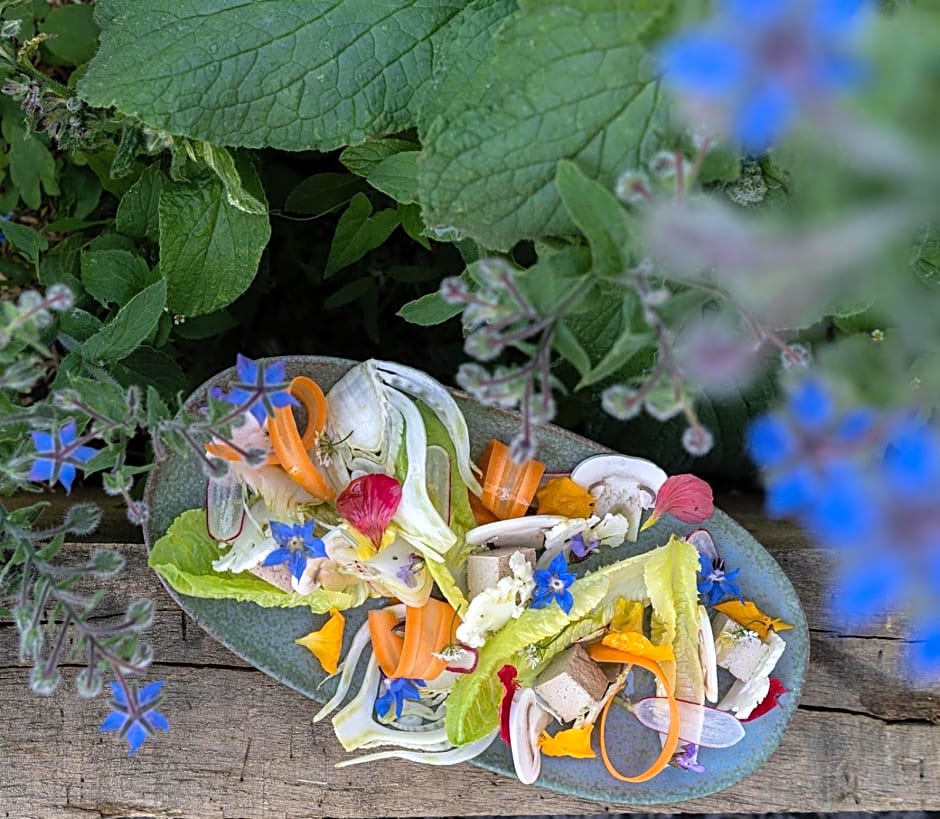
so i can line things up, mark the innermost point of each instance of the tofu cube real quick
(572, 683)
(278, 576)
(742, 652)
(486, 569)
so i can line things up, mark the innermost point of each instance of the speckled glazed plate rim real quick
(244, 628)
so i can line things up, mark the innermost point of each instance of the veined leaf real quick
(358, 232)
(127, 330)
(429, 310)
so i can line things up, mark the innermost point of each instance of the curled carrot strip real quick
(427, 631)
(386, 644)
(289, 447)
(508, 488)
(611, 655)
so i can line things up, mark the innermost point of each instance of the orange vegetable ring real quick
(290, 448)
(611, 655)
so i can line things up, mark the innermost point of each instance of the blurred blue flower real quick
(297, 544)
(396, 692)
(138, 718)
(688, 759)
(59, 455)
(912, 460)
(552, 584)
(263, 387)
(869, 584)
(755, 66)
(716, 584)
(580, 549)
(924, 652)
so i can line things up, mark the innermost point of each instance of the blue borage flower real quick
(297, 543)
(262, 386)
(688, 759)
(396, 692)
(716, 584)
(580, 549)
(552, 584)
(755, 66)
(59, 455)
(138, 718)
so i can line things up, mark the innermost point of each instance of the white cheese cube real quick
(486, 569)
(572, 683)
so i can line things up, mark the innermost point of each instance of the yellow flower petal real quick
(562, 496)
(326, 643)
(748, 615)
(574, 742)
(632, 642)
(628, 616)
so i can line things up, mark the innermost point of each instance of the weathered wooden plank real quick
(242, 745)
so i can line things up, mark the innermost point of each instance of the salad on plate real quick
(489, 612)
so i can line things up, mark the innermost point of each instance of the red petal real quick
(369, 503)
(685, 497)
(769, 702)
(507, 676)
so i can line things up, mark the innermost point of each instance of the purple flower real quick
(688, 759)
(297, 544)
(397, 691)
(580, 549)
(408, 573)
(138, 718)
(262, 387)
(552, 584)
(715, 583)
(59, 455)
(756, 65)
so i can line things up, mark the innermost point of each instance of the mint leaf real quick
(127, 330)
(397, 176)
(209, 249)
(114, 275)
(489, 158)
(598, 215)
(290, 75)
(358, 232)
(138, 213)
(32, 168)
(429, 310)
(361, 159)
(25, 239)
(413, 224)
(223, 164)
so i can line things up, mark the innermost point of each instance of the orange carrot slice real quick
(480, 512)
(427, 631)
(290, 448)
(386, 644)
(607, 654)
(508, 488)
(446, 636)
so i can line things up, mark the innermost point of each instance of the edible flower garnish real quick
(408, 573)
(59, 456)
(396, 692)
(748, 615)
(715, 582)
(138, 718)
(369, 503)
(262, 386)
(580, 549)
(297, 545)
(685, 497)
(637, 644)
(628, 615)
(326, 643)
(688, 759)
(573, 742)
(552, 584)
(507, 676)
(769, 702)
(562, 496)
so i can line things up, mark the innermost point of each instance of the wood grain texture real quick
(863, 739)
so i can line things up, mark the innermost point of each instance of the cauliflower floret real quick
(623, 496)
(492, 608)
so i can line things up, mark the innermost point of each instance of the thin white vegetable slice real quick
(421, 386)
(710, 728)
(356, 410)
(526, 720)
(593, 470)
(462, 753)
(704, 544)
(706, 648)
(438, 480)
(225, 510)
(350, 661)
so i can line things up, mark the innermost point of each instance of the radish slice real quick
(526, 720)
(703, 542)
(711, 728)
(225, 512)
(706, 651)
(466, 663)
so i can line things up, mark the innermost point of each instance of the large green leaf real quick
(138, 213)
(358, 232)
(489, 158)
(32, 168)
(209, 249)
(291, 75)
(114, 275)
(127, 330)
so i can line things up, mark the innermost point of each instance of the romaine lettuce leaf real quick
(184, 555)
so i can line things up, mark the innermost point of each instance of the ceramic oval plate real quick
(264, 637)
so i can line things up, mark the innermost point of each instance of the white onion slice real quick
(698, 724)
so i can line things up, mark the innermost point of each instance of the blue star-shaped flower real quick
(59, 456)
(552, 584)
(262, 387)
(397, 691)
(715, 583)
(138, 719)
(297, 544)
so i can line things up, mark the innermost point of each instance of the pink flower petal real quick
(369, 503)
(769, 702)
(686, 498)
(507, 676)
